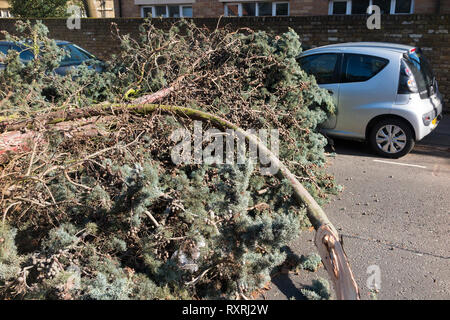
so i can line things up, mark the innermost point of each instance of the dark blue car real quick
(76, 56)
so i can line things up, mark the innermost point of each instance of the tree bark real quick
(91, 9)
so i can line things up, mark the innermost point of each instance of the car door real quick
(363, 89)
(325, 68)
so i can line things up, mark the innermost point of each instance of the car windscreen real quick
(422, 72)
(75, 55)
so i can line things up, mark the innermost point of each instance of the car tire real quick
(391, 138)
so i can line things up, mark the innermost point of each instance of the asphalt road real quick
(394, 214)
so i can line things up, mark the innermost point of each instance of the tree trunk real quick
(91, 9)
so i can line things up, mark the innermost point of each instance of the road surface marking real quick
(401, 164)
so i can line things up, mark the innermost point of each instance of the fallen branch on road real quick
(326, 239)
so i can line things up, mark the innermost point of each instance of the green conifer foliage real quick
(310, 262)
(319, 290)
(30, 86)
(108, 215)
(9, 259)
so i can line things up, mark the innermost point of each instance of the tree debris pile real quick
(94, 207)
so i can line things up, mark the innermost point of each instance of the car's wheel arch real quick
(378, 118)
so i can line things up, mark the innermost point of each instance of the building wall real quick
(4, 9)
(215, 8)
(208, 8)
(427, 6)
(108, 11)
(445, 6)
(431, 32)
(127, 8)
(308, 7)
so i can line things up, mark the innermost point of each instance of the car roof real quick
(393, 47)
(58, 42)
(61, 42)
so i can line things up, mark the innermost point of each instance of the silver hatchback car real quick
(385, 93)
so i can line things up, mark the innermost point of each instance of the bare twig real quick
(7, 209)
(148, 214)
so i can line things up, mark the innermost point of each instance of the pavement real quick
(392, 214)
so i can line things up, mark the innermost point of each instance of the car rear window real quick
(359, 67)
(322, 66)
(421, 69)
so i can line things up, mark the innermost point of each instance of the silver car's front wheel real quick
(391, 137)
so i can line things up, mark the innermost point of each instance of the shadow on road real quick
(290, 281)
(426, 150)
(287, 287)
(350, 148)
(283, 281)
(435, 144)
(362, 149)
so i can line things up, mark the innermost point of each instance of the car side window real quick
(360, 68)
(322, 66)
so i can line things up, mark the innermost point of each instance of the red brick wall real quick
(445, 6)
(427, 6)
(208, 8)
(128, 9)
(431, 32)
(309, 7)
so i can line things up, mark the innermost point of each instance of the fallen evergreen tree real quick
(94, 208)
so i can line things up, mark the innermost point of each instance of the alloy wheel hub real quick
(391, 139)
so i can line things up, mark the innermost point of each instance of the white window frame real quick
(393, 5)
(349, 7)
(274, 8)
(146, 7)
(233, 4)
(180, 8)
(4, 13)
(348, 10)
